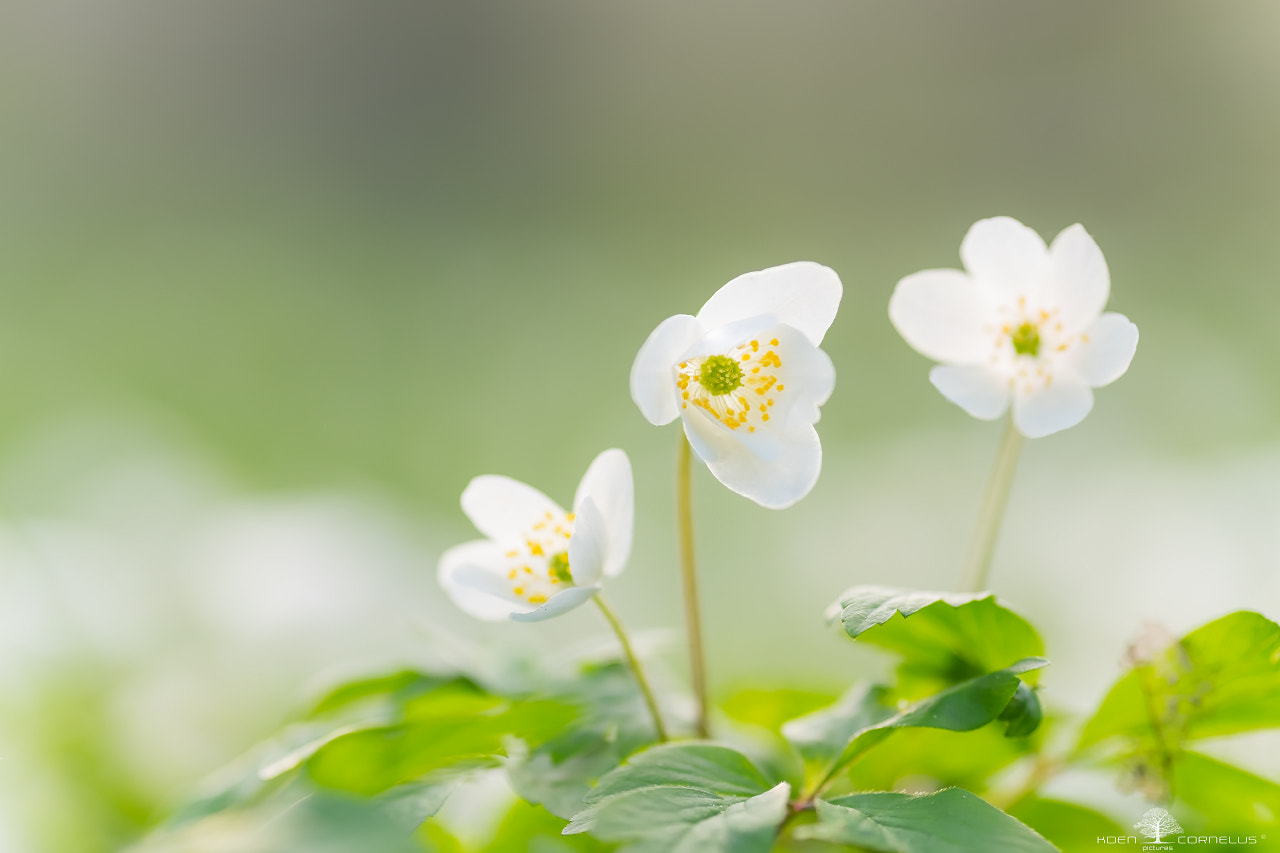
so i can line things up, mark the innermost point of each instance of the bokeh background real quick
(277, 279)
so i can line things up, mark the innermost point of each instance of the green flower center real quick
(559, 565)
(1026, 340)
(720, 375)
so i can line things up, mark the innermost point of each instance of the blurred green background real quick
(277, 279)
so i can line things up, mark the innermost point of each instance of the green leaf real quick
(386, 691)
(1222, 678)
(1227, 795)
(455, 727)
(943, 638)
(949, 821)
(770, 708)
(843, 733)
(1072, 828)
(685, 798)
(612, 722)
(926, 759)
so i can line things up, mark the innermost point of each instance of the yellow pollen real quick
(770, 359)
(570, 516)
(774, 342)
(765, 416)
(755, 346)
(528, 571)
(513, 553)
(511, 575)
(685, 395)
(518, 590)
(746, 356)
(781, 386)
(755, 370)
(535, 549)
(537, 599)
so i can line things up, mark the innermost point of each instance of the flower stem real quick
(978, 565)
(634, 663)
(688, 571)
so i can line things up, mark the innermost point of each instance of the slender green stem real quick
(688, 571)
(978, 565)
(634, 663)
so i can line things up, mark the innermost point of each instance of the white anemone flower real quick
(538, 560)
(1022, 324)
(746, 377)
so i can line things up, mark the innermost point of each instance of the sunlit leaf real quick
(685, 798)
(834, 737)
(949, 821)
(1222, 678)
(612, 721)
(943, 638)
(1071, 828)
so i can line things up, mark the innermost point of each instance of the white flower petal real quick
(1061, 404)
(942, 314)
(561, 602)
(471, 575)
(587, 545)
(774, 483)
(708, 440)
(609, 484)
(1005, 256)
(809, 377)
(978, 390)
(1078, 283)
(652, 380)
(1106, 348)
(504, 509)
(803, 295)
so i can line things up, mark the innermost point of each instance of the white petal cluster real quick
(747, 379)
(1023, 324)
(538, 561)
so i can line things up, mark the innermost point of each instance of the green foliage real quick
(949, 821)
(612, 722)
(1224, 794)
(1071, 828)
(685, 798)
(943, 638)
(830, 739)
(455, 726)
(1221, 679)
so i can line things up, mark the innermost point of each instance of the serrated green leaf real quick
(943, 638)
(964, 707)
(612, 722)
(1069, 827)
(1222, 678)
(949, 821)
(685, 798)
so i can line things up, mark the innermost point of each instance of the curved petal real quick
(504, 509)
(587, 544)
(803, 295)
(708, 441)
(609, 484)
(1106, 348)
(978, 390)
(561, 602)
(809, 377)
(1057, 406)
(942, 315)
(1078, 283)
(1005, 256)
(471, 573)
(775, 483)
(653, 384)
